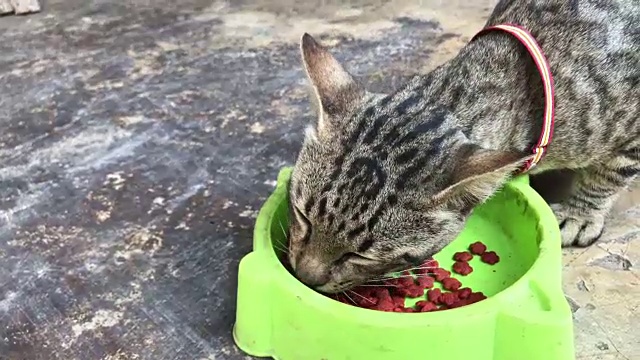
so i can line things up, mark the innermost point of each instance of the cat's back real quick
(593, 48)
(569, 29)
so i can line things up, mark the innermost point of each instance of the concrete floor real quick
(139, 139)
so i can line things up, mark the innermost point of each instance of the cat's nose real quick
(312, 272)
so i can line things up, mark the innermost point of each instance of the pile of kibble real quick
(390, 295)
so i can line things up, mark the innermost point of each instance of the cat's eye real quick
(298, 212)
(301, 216)
(351, 256)
(345, 257)
(413, 260)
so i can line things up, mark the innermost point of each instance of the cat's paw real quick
(578, 229)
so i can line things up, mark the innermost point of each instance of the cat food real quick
(425, 282)
(410, 291)
(390, 295)
(451, 284)
(490, 257)
(434, 295)
(429, 306)
(449, 298)
(426, 267)
(476, 296)
(398, 300)
(462, 268)
(440, 274)
(477, 248)
(464, 293)
(426, 306)
(463, 256)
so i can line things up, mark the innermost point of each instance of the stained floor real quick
(139, 139)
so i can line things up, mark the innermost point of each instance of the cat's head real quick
(377, 188)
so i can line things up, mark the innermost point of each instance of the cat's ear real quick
(336, 91)
(478, 175)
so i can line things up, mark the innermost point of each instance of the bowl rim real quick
(549, 247)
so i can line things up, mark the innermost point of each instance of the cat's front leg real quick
(582, 214)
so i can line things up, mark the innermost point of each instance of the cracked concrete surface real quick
(602, 283)
(139, 139)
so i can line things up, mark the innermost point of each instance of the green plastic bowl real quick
(525, 316)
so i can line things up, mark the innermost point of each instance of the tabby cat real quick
(384, 181)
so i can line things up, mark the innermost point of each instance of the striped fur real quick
(384, 181)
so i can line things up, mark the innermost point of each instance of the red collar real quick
(534, 49)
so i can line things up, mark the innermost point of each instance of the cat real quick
(384, 181)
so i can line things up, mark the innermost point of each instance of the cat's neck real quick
(494, 90)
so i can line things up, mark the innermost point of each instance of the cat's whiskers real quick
(389, 277)
(413, 269)
(355, 293)
(420, 268)
(378, 285)
(348, 297)
(282, 247)
(279, 248)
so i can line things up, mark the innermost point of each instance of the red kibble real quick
(475, 297)
(462, 256)
(391, 283)
(448, 298)
(425, 282)
(416, 291)
(398, 300)
(428, 306)
(364, 290)
(459, 303)
(490, 257)
(434, 295)
(451, 284)
(426, 267)
(365, 297)
(464, 293)
(390, 295)
(425, 306)
(477, 248)
(365, 302)
(462, 268)
(385, 304)
(410, 291)
(405, 280)
(382, 293)
(440, 274)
